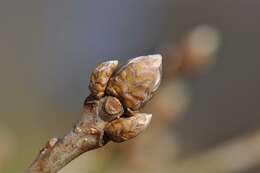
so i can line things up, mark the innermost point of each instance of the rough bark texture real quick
(85, 136)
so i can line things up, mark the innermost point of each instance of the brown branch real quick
(84, 137)
(110, 113)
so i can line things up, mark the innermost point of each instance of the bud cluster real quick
(125, 91)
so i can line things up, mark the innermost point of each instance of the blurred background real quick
(205, 115)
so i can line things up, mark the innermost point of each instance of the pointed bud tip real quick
(115, 62)
(147, 120)
(154, 60)
(157, 58)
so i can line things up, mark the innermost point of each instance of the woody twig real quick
(110, 113)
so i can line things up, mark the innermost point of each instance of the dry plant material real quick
(110, 113)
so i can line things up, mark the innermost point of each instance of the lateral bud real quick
(112, 108)
(100, 77)
(123, 129)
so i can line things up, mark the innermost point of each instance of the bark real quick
(86, 135)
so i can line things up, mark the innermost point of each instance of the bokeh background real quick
(208, 114)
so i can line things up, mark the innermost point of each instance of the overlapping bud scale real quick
(130, 87)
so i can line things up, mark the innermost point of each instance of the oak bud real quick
(123, 129)
(135, 83)
(112, 108)
(100, 77)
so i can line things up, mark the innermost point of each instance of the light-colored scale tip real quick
(157, 63)
(153, 60)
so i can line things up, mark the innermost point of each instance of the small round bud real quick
(113, 106)
(135, 83)
(100, 76)
(123, 129)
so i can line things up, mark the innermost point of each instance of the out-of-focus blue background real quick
(48, 49)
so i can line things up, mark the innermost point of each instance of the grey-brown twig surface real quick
(110, 113)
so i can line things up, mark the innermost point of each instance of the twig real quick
(110, 113)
